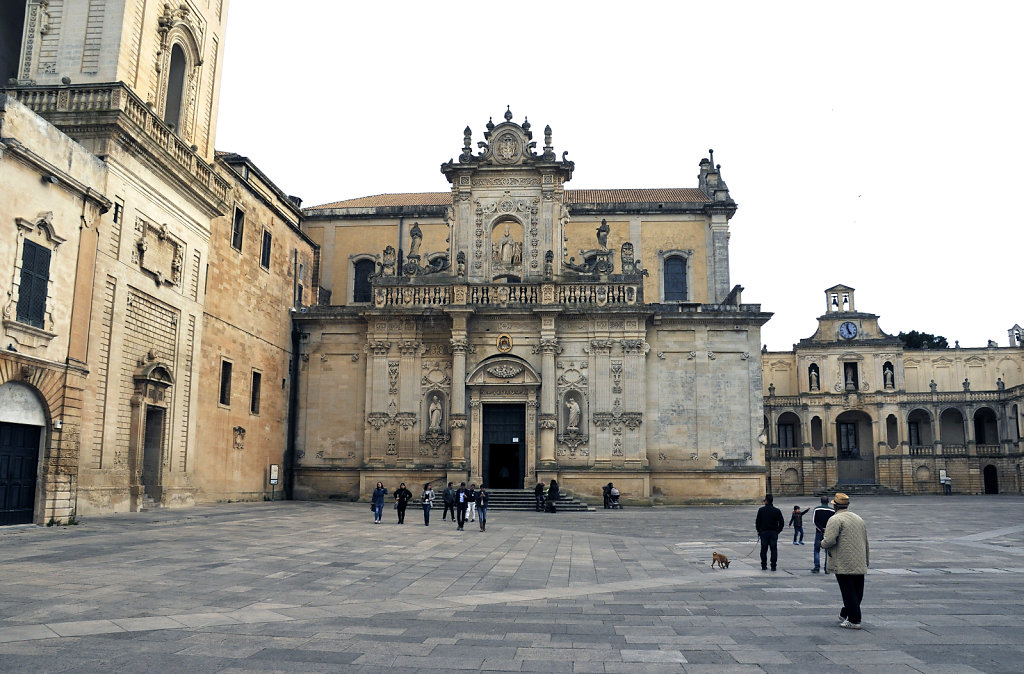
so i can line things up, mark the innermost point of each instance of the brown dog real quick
(721, 560)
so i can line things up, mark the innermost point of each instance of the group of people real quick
(464, 503)
(546, 501)
(840, 532)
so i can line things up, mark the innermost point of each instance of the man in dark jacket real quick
(402, 496)
(770, 524)
(538, 494)
(449, 501)
(461, 503)
(820, 518)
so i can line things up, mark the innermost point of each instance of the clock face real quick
(847, 330)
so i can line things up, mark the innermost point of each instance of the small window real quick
(118, 211)
(225, 382)
(237, 227)
(254, 398)
(265, 251)
(298, 285)
(175, 88)
(362, 290)
(675, 279)
(35, 276)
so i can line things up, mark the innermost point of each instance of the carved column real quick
(634, 354)
(547, 421)
(460, 345)
(604, 447)
(409, 397)
(376, 400)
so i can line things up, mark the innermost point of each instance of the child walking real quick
(797, 522)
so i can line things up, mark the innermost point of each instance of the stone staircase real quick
(859, 490)
(523, 499)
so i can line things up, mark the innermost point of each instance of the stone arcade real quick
(523, 337)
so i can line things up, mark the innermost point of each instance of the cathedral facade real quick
(512, 331)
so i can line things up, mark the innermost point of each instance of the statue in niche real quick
(814, 380)
(435, 413)
(415, 239)
(887, 375)
(506, 247)
(573, 422)
(602, 235)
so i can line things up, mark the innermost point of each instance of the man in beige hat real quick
(846, 540)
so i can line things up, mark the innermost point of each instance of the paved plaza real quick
(317, 587)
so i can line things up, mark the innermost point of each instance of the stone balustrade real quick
(504, 294)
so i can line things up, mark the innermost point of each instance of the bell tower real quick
(167, 54)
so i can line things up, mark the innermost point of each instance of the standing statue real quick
(415, 239)
(563, 215)
(814, 380)
(602, 234)
(573, 423)
(888, 377)
(435, 413)
(506, 246)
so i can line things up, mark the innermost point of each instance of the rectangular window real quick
(786, 436)
(675, 279)
(265, 251)
(298, 286)
(225, 382)
(35, 276)
(118, 210)
(254, 397)
(237, 227)
(915, 434)
(848, 441)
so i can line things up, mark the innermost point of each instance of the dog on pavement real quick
(720, 559)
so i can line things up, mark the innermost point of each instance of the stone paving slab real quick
(316, 587)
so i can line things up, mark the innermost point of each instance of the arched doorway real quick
(986, 428)
(855, 448)
(503, 406)
(147, 450)
(789, 433)
(991, 476)
(22, 420)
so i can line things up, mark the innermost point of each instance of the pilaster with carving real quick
(459, 347)
(634, 357)
(377, 384)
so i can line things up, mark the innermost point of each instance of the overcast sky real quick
(874, 144)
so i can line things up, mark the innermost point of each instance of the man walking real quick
(820, 517)
(471, 507)
(448, 496)
(461, 503)
(846, 541)
(402, 497)
(769, 524)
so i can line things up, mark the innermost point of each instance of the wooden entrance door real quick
(19, 458)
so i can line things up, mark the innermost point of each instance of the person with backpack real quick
(427, 499)
(449, 501)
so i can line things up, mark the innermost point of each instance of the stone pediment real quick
(502, 371)
(508, 144)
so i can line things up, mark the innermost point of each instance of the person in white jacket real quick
(846, 540)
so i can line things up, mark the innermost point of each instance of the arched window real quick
(675, 279)
(175, 88)
(362, 290)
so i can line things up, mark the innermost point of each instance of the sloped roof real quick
(672, 195)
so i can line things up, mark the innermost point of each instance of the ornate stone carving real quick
(405, 419)
(547, 345)
(547, 423)
(616, 372)
(459, 344)
(635, 346)
(410, 347)
(159, 253)
(378, 419)
(598, 346)
(617, 447)
(711, 355)
(378, 347)
(392, 442)
(239, 438)
(436, 374)
(393, 377)
(504, 371)
(692, 355)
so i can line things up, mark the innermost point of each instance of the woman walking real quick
(377, 502)
(427, 498)
(481, 507)
(402, 498)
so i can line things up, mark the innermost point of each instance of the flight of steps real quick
(523, 499)
(860, 490)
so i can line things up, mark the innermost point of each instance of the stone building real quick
(512, 330)
(109, 118)
(851, 406)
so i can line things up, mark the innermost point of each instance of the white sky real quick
(874, 144)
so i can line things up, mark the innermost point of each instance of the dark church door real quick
(504, 446)
(19, 457)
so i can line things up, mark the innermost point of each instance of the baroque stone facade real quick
(466, 341)
(851, 406)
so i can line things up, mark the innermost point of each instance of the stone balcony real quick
(112, 110)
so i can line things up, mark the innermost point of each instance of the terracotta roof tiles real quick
(672, 195)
